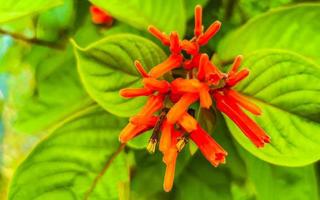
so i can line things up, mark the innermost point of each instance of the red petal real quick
(243, 101)
(198, 20)
(181, 106)
(158, 34)
(210, 32)
(135, 92)
(211, 150)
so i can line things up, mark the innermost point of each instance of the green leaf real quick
(12, 9)
(286, 87)
(57, 95)
(294, 28)
(107, 66)
(166, 15)
(55, 24)
(148, 177)
(190, 4)
(66, 164)
(272, 182)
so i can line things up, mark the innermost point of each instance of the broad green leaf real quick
(272, 182)
(166, 15)
(294, 28)
(14, 9)
(286, 87)
(107, 66)
(65, 164)
(57, 94)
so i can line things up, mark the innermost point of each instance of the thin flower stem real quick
(103, 171)
(36, 41)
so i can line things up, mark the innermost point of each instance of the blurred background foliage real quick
(40, 90)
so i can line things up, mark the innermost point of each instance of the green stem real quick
(36, 41)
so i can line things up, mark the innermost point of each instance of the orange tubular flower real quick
(158, 34)
(169, 158)
(140, 69)
(181, 107)
(167, 111)
(154, 84)
(171, 63)
(198, 21)
(135, 92)
(243, 101)
(188, 123)
(210, 32)
(247, 125)
(175, 47)
(98, 16)
(211, 150)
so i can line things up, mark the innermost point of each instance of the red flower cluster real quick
(203, 82)
(98, 16)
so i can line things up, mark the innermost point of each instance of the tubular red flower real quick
(190, 47)
(181, 85)
(181, 106)
(205, 98)
(210, 149)
(243, 101)
(192, 63)
(187, 122)
(135, 92)
(247, 125)
(172, 62)
(209, 33)
(169, 158)
(158, 34)
(156, 85)
(140, 120)
(140, 69)
(130, 131)
(236, 64)
(204, 59)
(154, 103)
(198, 20)
(165, 140)
(99, 16)
(233, 80)
(175, 47)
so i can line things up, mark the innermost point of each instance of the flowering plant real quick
(91, 91)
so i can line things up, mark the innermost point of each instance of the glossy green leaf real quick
(294, 28)
(286, 87)
(272, 182)
(65, 164)
(167, 15)
(107, 66)
(57, 94)
(13, 9)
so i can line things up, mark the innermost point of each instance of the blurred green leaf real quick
(65, 164)
(272, 182)
(13, 9)
(286, 88)
(190, 4)
(57, 95)
(56, 23)
(294, 28)
(107, 66)
(148, 175)
(166, 15)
